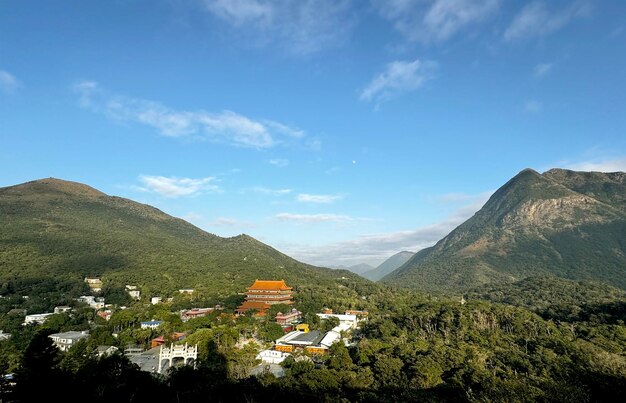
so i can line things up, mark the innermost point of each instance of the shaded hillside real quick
(564, 223)
(388, 266)
(559, 299)
(58, 230)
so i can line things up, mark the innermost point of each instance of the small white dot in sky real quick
(353, 161)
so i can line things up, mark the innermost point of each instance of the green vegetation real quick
(60, 231)
(563, 223)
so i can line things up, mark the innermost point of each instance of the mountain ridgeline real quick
(563, 223)
(387, 266)
(60, 231)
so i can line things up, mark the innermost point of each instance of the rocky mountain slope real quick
(565, 223)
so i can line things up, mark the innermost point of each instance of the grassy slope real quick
(65, 230)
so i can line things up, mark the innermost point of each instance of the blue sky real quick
(337, 131)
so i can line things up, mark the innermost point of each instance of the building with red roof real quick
(265, 293)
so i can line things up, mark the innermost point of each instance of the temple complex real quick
(262, 294)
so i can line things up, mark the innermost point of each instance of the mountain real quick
(388, 266)
(565, 223)
(357, 268)
(59, 231)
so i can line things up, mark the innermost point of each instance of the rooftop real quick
(269, 285)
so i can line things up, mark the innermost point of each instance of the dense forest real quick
(414, 347)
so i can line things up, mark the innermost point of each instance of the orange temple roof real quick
(269, 285)
(258, 305)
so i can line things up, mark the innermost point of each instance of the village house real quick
(106, 315)
(94, 283)
(103, 351)
(4, 336)
(62, 309)
(185, 315)
(289, 318)
(263, 293)
(36, 319)
(152, 324)
(159, 341)
(134, 292)
(64, 341)
(187, 291)
(156, 300)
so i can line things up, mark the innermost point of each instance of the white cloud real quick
(434, 20)
(600, 165)
(8, 82)
(177, 187)
(533, 106)
(375, 248)
(313, 218)
(226, 127)
(268, 191)
(535, 20)
(279, 162)
(300, 27)
(323, 199)
(230, 222)
(399, 77)
(542, 69)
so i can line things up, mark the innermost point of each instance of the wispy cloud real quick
(535, 20)
(177, 187)
(231, 222)
(542, 69)
(313, 218)
(398, 77)
(323, 199)
(431, 21)
(375, 248)
(268, 191)
(8, 82)
(279, 162)
(301, 27)
(223, 127)
(460, 197)
(599, 165)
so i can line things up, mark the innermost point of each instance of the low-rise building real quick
(103, 351)
(4, 336)
(343, 319)
(159, 341)
(151, 324)
(185, 315)
(187, 291)
(106, 314)
(133, 291)
(64, 341)
(36, 319)
(95, 283)
(289, 318)
(272, 356)
(62, 309)
(156, 300)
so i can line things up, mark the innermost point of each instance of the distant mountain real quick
(388, 266)
(565, 223)
(357, 268)
(58, 231)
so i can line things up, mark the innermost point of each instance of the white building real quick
(350, 320)
(156, 300)
(36, 319)
(272, 356)
(152, 324)
(64, 341)
(62, 309)
(133, 291)
(4, 336)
